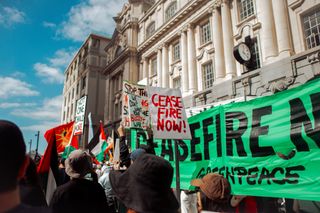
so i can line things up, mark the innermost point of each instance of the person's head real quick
(31, 176)
(136, 153)
(13, 159)
(214, 186)
(146, 185)
(78, 164)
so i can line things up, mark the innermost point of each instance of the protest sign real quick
(269, 146)
(80, 112)
(168, 117)
(135, 111)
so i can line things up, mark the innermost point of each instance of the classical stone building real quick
(189, 44)
(83, 78)
(122, 57)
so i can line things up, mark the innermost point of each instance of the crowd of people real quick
(139, 183)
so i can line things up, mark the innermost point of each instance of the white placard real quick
(80, 112)
(168, 116)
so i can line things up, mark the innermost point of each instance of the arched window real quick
(171, 10)
(151, 29)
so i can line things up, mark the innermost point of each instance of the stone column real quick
(218, 45)
(170, 53)
(267, 35)
(184, 62)
(228, 44)
(111, 101)
(192, 70)
(281, 20)
(159, 67)
(145, 68)
(165, 66)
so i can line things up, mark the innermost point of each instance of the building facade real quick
(83, 77)
(189, 45)
(122, 58)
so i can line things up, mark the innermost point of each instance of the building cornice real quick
(150, 11)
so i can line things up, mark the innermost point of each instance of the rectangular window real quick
(154, 66)
(72, 93)
(177, 82)
(246, 9)
(84, 82)
(208, 77)
(311, 25)
(151, 29)
(171, 10)
(205, 33)
(255, 54)
(176, 52)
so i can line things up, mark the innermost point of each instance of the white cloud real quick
(48, 73)
(49, 24)
(42, 127)
(10, 16)
(90, 16)
(15, 87)
(52, 72)
(7, 105)
(18, 74)
(62, 57)
(49, 110)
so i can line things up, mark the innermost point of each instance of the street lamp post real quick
(38, 133)
(30, 143)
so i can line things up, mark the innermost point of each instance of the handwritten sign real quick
(80, 112)
(135, 104)
(168, 117)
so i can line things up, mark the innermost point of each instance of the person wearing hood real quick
(145, 187)
(79, 194)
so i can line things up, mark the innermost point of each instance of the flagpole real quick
(177, 170)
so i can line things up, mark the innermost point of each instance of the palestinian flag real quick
(48, 167)
(98, 145)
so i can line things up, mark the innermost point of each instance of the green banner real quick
(268, 146)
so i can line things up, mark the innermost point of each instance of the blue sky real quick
(37, 41)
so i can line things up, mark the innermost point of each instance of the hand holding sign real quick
(168, 117)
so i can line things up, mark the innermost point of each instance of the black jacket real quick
(79, 195)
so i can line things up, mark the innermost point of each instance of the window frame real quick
(316, 40)
(204, 75)
(171, 10)
(205, 33)
(176, 54)
(149, 33)
(246, 13)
